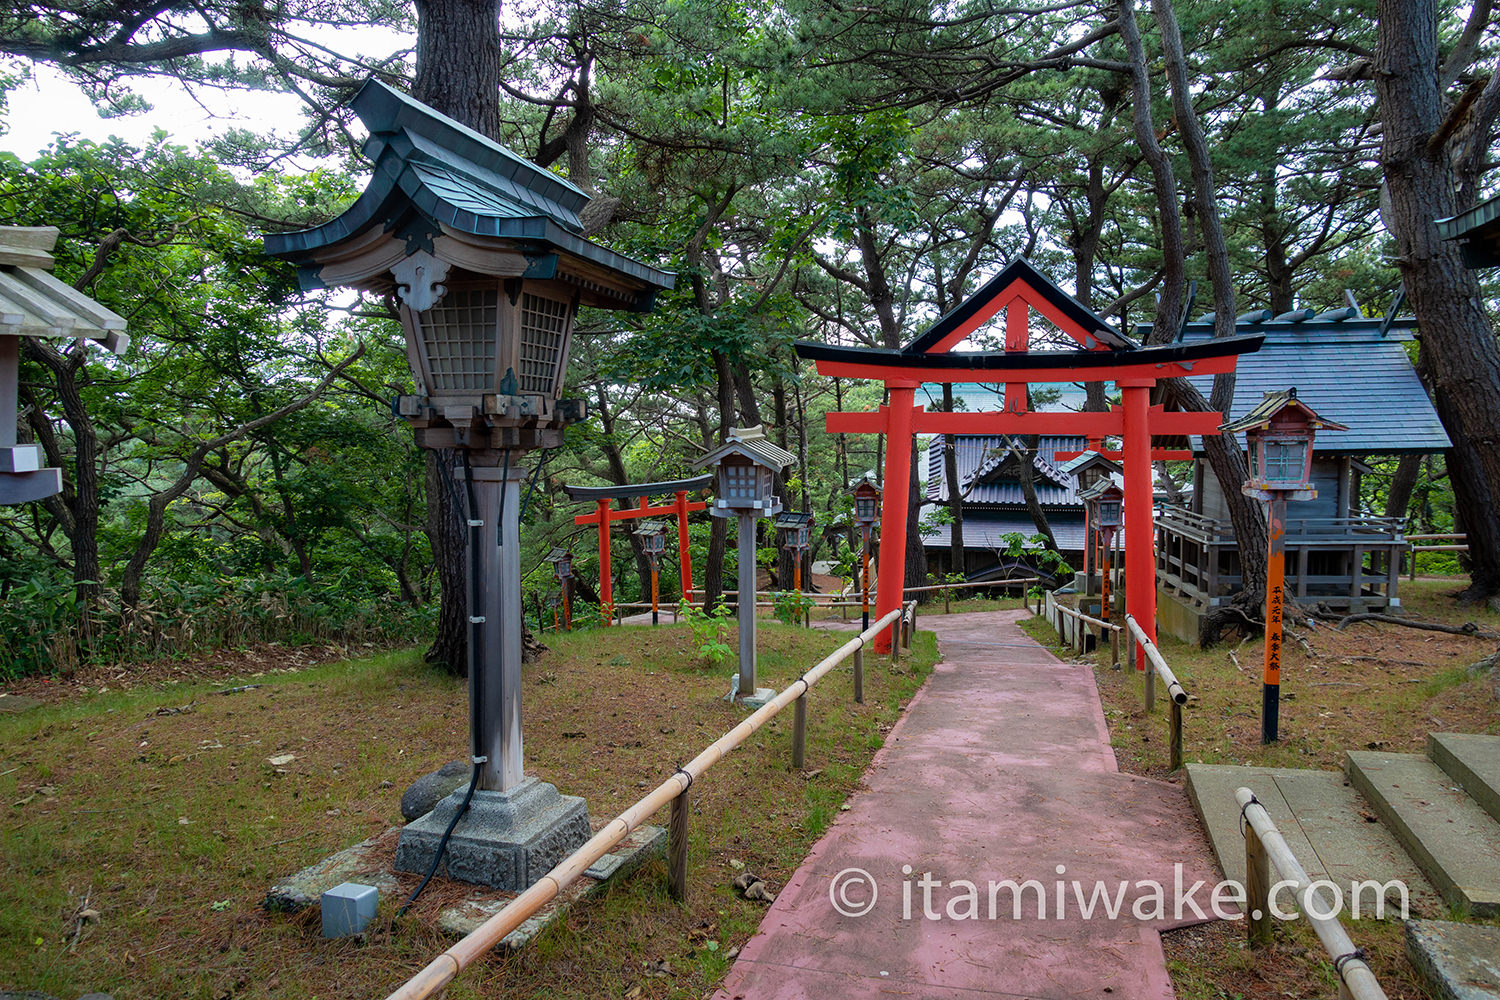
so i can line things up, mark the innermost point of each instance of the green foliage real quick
(791, 606)
(710, 630)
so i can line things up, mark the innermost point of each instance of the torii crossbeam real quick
(604, 516)
(1104, 356)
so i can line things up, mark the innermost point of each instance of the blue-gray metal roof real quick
(986, 530)
(980, 455)
(1359, 380)
(1349, 373)
(452, 175)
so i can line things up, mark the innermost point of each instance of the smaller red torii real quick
(604, 516)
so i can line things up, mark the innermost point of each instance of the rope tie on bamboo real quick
(1357, 955)
(686, 774)
(1243, 818)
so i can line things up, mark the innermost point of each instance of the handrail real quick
(1174, 688)
(1263, 843)
(1075, 613)
(441, 970)
(1177, 696)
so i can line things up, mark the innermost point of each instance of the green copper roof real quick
(430, 166)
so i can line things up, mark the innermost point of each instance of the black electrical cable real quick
(476, 682)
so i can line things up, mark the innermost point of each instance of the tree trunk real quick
(457, 74)
(1458, 338)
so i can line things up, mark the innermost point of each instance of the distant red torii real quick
(1105, 356)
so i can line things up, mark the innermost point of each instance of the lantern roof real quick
(1089, 460)
(1277, 407)
(33, 303)
(792, 519)
(558, 555)
(866, 487)
(1103, 489)
(651, 528)
(443, 188)
(751, 443)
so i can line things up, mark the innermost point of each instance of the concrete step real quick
(1459, 961)
(1473, 761)
(1450, 837)
(1326, 824)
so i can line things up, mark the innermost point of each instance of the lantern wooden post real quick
(744, 467)
(1279, 433)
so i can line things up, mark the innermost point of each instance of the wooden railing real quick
(1156, 667)
(1460, 545)
(1264, 844)
(1080, 633)
(674, 791)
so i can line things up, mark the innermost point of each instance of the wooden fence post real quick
(799, 732)
(1114, 647)
(1176, 735)
(859, 675)
(677, 838)
(1258, 888)
(1150, 685)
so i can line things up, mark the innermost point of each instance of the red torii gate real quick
(603, 516)
(1106, 355)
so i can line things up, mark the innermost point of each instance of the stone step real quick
(1473, 761)
(1459, 961)
(1450, 837)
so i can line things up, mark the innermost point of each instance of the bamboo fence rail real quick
(1156, 667)
(674, 791)
(1264, 844)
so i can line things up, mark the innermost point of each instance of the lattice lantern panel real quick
(458, 337)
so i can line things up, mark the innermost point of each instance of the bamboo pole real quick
(1175, 690)
(442, 969)
(1354, 974)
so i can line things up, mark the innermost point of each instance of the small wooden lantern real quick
(1106, 504)
(794, 530)
(745, 466)
(653, 536)
(1089, 468)
(866, 504)
(562, 563)
(1279, 435)
(554, 599)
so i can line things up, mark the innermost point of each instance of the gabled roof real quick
(1350, 370)
(976, 451)
(1088, 460)
(1272, 404)
(792, 519)
(432, 174)
(1002, 463)
(35, 304)
(1478, 233)
(752, 443)
(1019, 277)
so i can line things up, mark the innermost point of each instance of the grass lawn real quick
(1368, 687)
(158, 808)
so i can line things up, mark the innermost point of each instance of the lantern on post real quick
(1279, 435)
(794, 533)
(745, 466)
(653, 536)
(1088, 469)
(867, 516)
(1106, 505)
(562, 568)
(483, 254)
(554, 602)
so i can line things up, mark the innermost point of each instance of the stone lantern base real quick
(507, 839)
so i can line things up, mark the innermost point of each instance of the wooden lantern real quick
(1279, 435)
(653, 536)
(562, 563)
(866, 504)
(794, 530)
(1106, 503)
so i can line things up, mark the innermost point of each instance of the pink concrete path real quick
(1000, 769)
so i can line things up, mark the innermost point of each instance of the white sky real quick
(49, 104)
